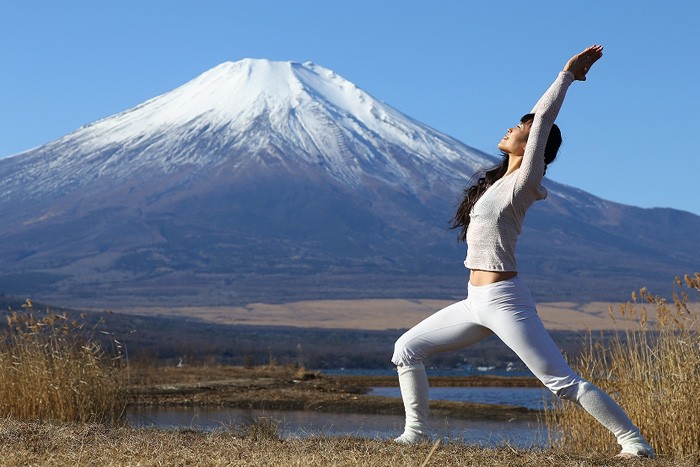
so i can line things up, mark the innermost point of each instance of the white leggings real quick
(503, 308)
(506, 309)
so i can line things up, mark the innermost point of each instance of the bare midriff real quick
(478, 277)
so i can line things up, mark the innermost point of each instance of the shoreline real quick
(288, 388)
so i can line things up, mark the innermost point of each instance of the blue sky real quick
(468, 69)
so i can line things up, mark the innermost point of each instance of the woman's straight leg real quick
(508, 309)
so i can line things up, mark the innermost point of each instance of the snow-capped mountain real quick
(274, 181)
(234, 114)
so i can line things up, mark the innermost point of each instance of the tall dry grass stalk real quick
(52, 369)
(651, 367)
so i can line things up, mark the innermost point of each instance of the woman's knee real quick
(573, 390)
(404, 353)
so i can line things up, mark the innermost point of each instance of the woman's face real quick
(514, 141)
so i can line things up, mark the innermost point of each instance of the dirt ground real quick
(289, 388)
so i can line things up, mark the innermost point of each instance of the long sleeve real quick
(542, 99)
(546, 110)
(496, 218)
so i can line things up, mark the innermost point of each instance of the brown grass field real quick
(373, 314)
(48, 444)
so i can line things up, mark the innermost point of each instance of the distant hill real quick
(263, 181)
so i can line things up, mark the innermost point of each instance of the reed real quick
(651, 367)
(53, 369)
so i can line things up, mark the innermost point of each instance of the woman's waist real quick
(480, 278)
(509, 289)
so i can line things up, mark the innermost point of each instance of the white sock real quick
(413, 382)
(604, 409)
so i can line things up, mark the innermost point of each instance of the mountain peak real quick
(285, 83)
(235, 93)
(254, 113)
(250, 77)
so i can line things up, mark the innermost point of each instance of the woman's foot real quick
(413, 437)
(636, 450)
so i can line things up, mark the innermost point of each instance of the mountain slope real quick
(274, 181)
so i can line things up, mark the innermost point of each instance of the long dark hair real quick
(474, 190)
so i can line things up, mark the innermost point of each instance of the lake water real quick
(466, 370)
(298, 424)
(531, 398)
(295, 424)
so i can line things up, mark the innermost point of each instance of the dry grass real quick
(368, 314)
(52, 370)
(49, 444)
(652, 369)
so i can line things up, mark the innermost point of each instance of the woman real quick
(498, 302)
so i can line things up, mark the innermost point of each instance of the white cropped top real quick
(496, 218)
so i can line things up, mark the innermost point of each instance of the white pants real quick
(503, 308)
(506, 309)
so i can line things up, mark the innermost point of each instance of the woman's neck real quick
(513, 163)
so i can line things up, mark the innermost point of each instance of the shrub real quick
(52, 369)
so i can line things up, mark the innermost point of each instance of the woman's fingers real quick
(589, 56)
(581, 63)
(595, 52)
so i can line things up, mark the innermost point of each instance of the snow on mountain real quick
(312, 114)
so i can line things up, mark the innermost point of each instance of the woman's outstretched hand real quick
(579, 64)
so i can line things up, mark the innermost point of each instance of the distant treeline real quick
(166, 340)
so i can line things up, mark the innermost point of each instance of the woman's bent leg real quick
(512, 316)
(448, 329)
(451, 328)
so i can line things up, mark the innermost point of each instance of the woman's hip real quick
(504, 295)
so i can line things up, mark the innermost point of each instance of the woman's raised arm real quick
(546, 110)
(579, 65)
